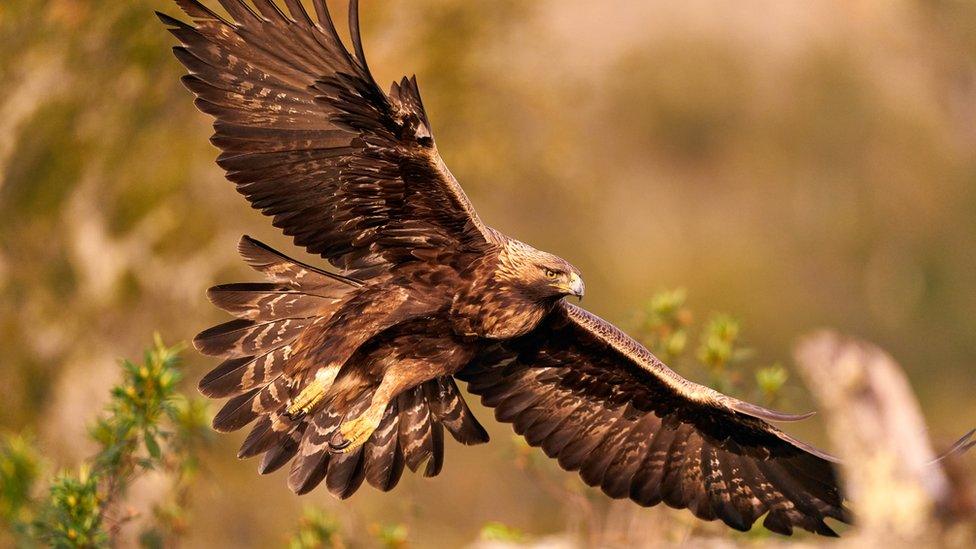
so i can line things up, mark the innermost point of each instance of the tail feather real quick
(312, 460)
(268, 432)
(343, 473)
(449, 408)
(309, 472)
(235, 413)
(436, 462)
(259, 440)
(416, 437)
(410, 435)
(346, 472)
(384, 457)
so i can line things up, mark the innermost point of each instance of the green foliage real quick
(665, 322)
(316, 530)
(497, 531)
(147, 425)
(718, 341)
(19, 471)
(391, 536)
(771, 380)
(718, 350)
(666, 325)
(73, 515)
(139, 404)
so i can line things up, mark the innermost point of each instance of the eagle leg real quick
(353, 433)
(313, 393)
(399, 376)
(368, 313)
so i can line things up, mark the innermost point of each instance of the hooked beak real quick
(576, 286)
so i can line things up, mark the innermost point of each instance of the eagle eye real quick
(551, 273)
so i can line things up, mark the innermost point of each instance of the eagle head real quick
(539, 276)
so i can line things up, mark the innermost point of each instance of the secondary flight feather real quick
(350, 376)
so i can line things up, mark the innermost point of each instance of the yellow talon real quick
(313, 393)
(356, 432)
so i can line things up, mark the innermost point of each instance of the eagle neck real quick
(492, 305)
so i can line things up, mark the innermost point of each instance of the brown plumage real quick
(351, 377)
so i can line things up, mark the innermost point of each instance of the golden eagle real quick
(350, 376)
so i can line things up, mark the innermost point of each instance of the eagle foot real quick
(312, 394)
(295, 416)
(355, 432)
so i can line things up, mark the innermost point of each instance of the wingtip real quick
(250, 248)
(196, 10)
(198, 342)
(355, 34)
(767, 414)
(799, 417)
(166, 19)
(961, 446)
(824, 530)
(204, 385)
(971, 441)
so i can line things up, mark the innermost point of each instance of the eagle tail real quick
(278, 455)
(449, 409)
(410, 435)
(384, 452)
(411, 432)
(421, 436)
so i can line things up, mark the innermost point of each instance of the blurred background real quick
(797, 164)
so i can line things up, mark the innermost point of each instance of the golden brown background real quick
(796, 163)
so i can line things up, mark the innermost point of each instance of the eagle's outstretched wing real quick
(310, 139)
(601, 404)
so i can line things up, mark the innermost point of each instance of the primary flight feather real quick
(350, 376)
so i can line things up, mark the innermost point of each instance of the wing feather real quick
(351, 173)
(602, 405)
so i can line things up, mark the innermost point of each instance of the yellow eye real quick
(550, 273)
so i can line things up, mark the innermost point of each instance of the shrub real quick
(148, 425)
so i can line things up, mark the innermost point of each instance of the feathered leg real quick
(313, 393)
(400, 376)
(325, 351)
